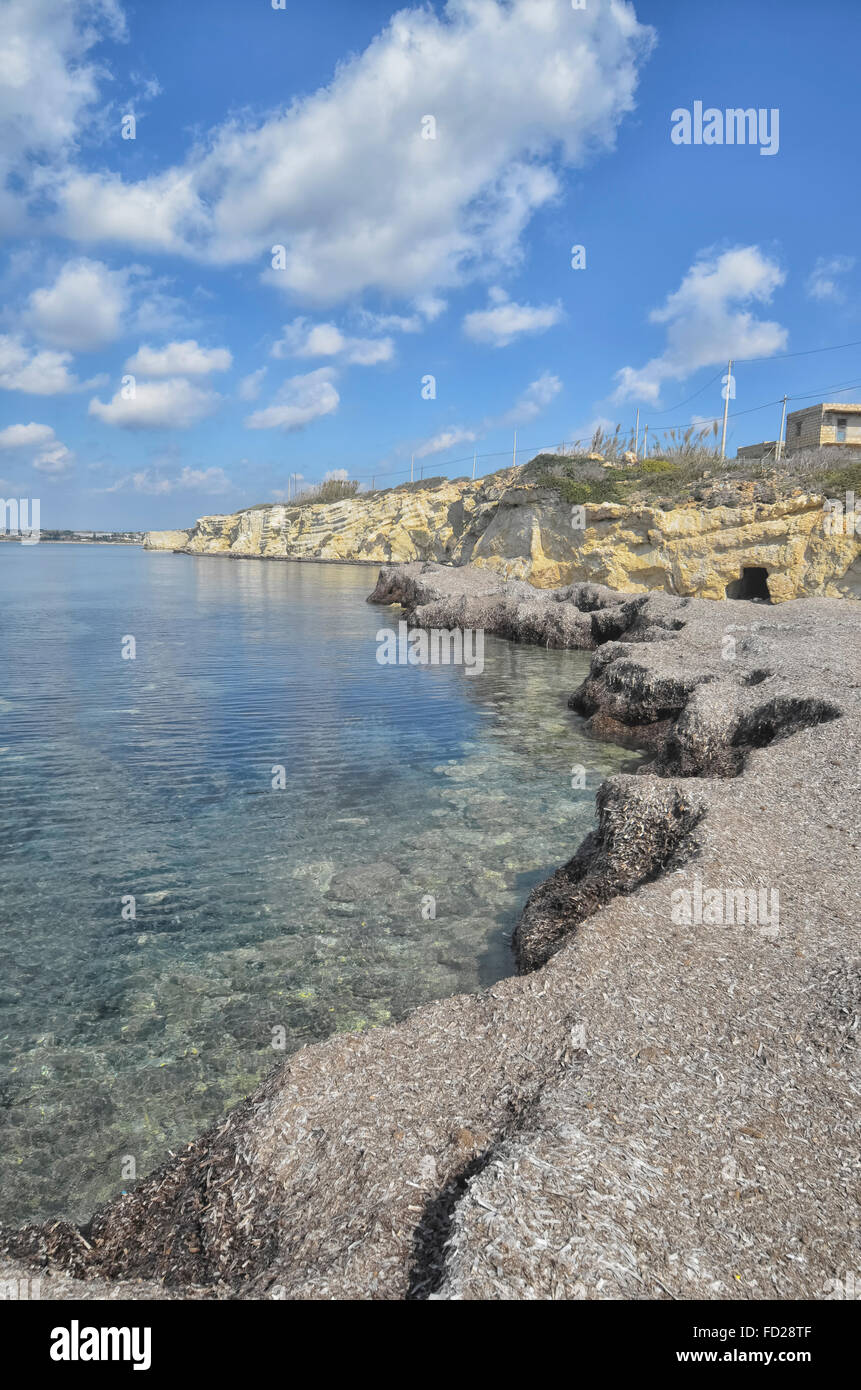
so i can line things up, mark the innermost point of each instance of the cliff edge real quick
(727, 538)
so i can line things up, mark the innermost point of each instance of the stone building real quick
(833, 423)
(767, 449)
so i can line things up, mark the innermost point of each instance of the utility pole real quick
(780, 436)
(412, 466)
(637, 435)
(646, 442)
(726, 408)
(515, 448)
(474, 458)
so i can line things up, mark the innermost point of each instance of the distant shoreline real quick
(128, 544)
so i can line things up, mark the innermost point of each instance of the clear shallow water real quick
(153, 778)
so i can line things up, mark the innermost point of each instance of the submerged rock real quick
(365, 882)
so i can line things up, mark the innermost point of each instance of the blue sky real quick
(149, 261)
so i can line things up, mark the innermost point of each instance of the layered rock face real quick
(166, 540)
(441, 522)
(698, 549)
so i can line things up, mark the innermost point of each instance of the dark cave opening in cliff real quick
(753, 584)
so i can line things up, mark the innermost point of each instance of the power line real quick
(709, 420)
(679, 404)
(806, 352)
(803, 396)
(766, 357)
(451, 463)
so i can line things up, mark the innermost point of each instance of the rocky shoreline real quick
(663, 1102)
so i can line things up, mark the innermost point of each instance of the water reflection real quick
(306, 909)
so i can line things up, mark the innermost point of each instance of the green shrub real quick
(656, 467)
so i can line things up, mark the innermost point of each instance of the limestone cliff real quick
(166, 540)
(695, 548)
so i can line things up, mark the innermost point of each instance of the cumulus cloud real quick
(155, 484)
(504, 320)
(300, 400)
(707, 321)
(51, 455)
(446, 439)
(361, 201)
(47, 78)
(336, 475)
(54, 459)
(49, 90)
(171, 404)
(532, 401)
(82, 310)
(822, 281)
(250, 386)
(304, 339)
(25, 436)
(179, 359)
(529, 404)
(36, 373)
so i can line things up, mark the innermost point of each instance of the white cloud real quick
(446, 439)
(172, 404)
(36, 373)
(54, 459)
(343, 178)
(300, 400)
(529, 404)
(707, 321)
(82, 310)
(533, 401)
(505, 321)
(100, 207)
(303, 339)
(209, 480)
(25, 436)
(336, 475)
(249, 386)
(47, 82)
(822, 281)
(179, 359)
(51, 455)
(428, 308)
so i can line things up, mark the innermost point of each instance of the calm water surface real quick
(152, 779)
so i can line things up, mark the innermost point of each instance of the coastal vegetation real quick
(686, 470)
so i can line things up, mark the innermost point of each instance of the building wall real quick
(829, 427)
(810, 421)
(819, 427)
(757, 451)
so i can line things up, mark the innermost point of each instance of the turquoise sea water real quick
(261, 915)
